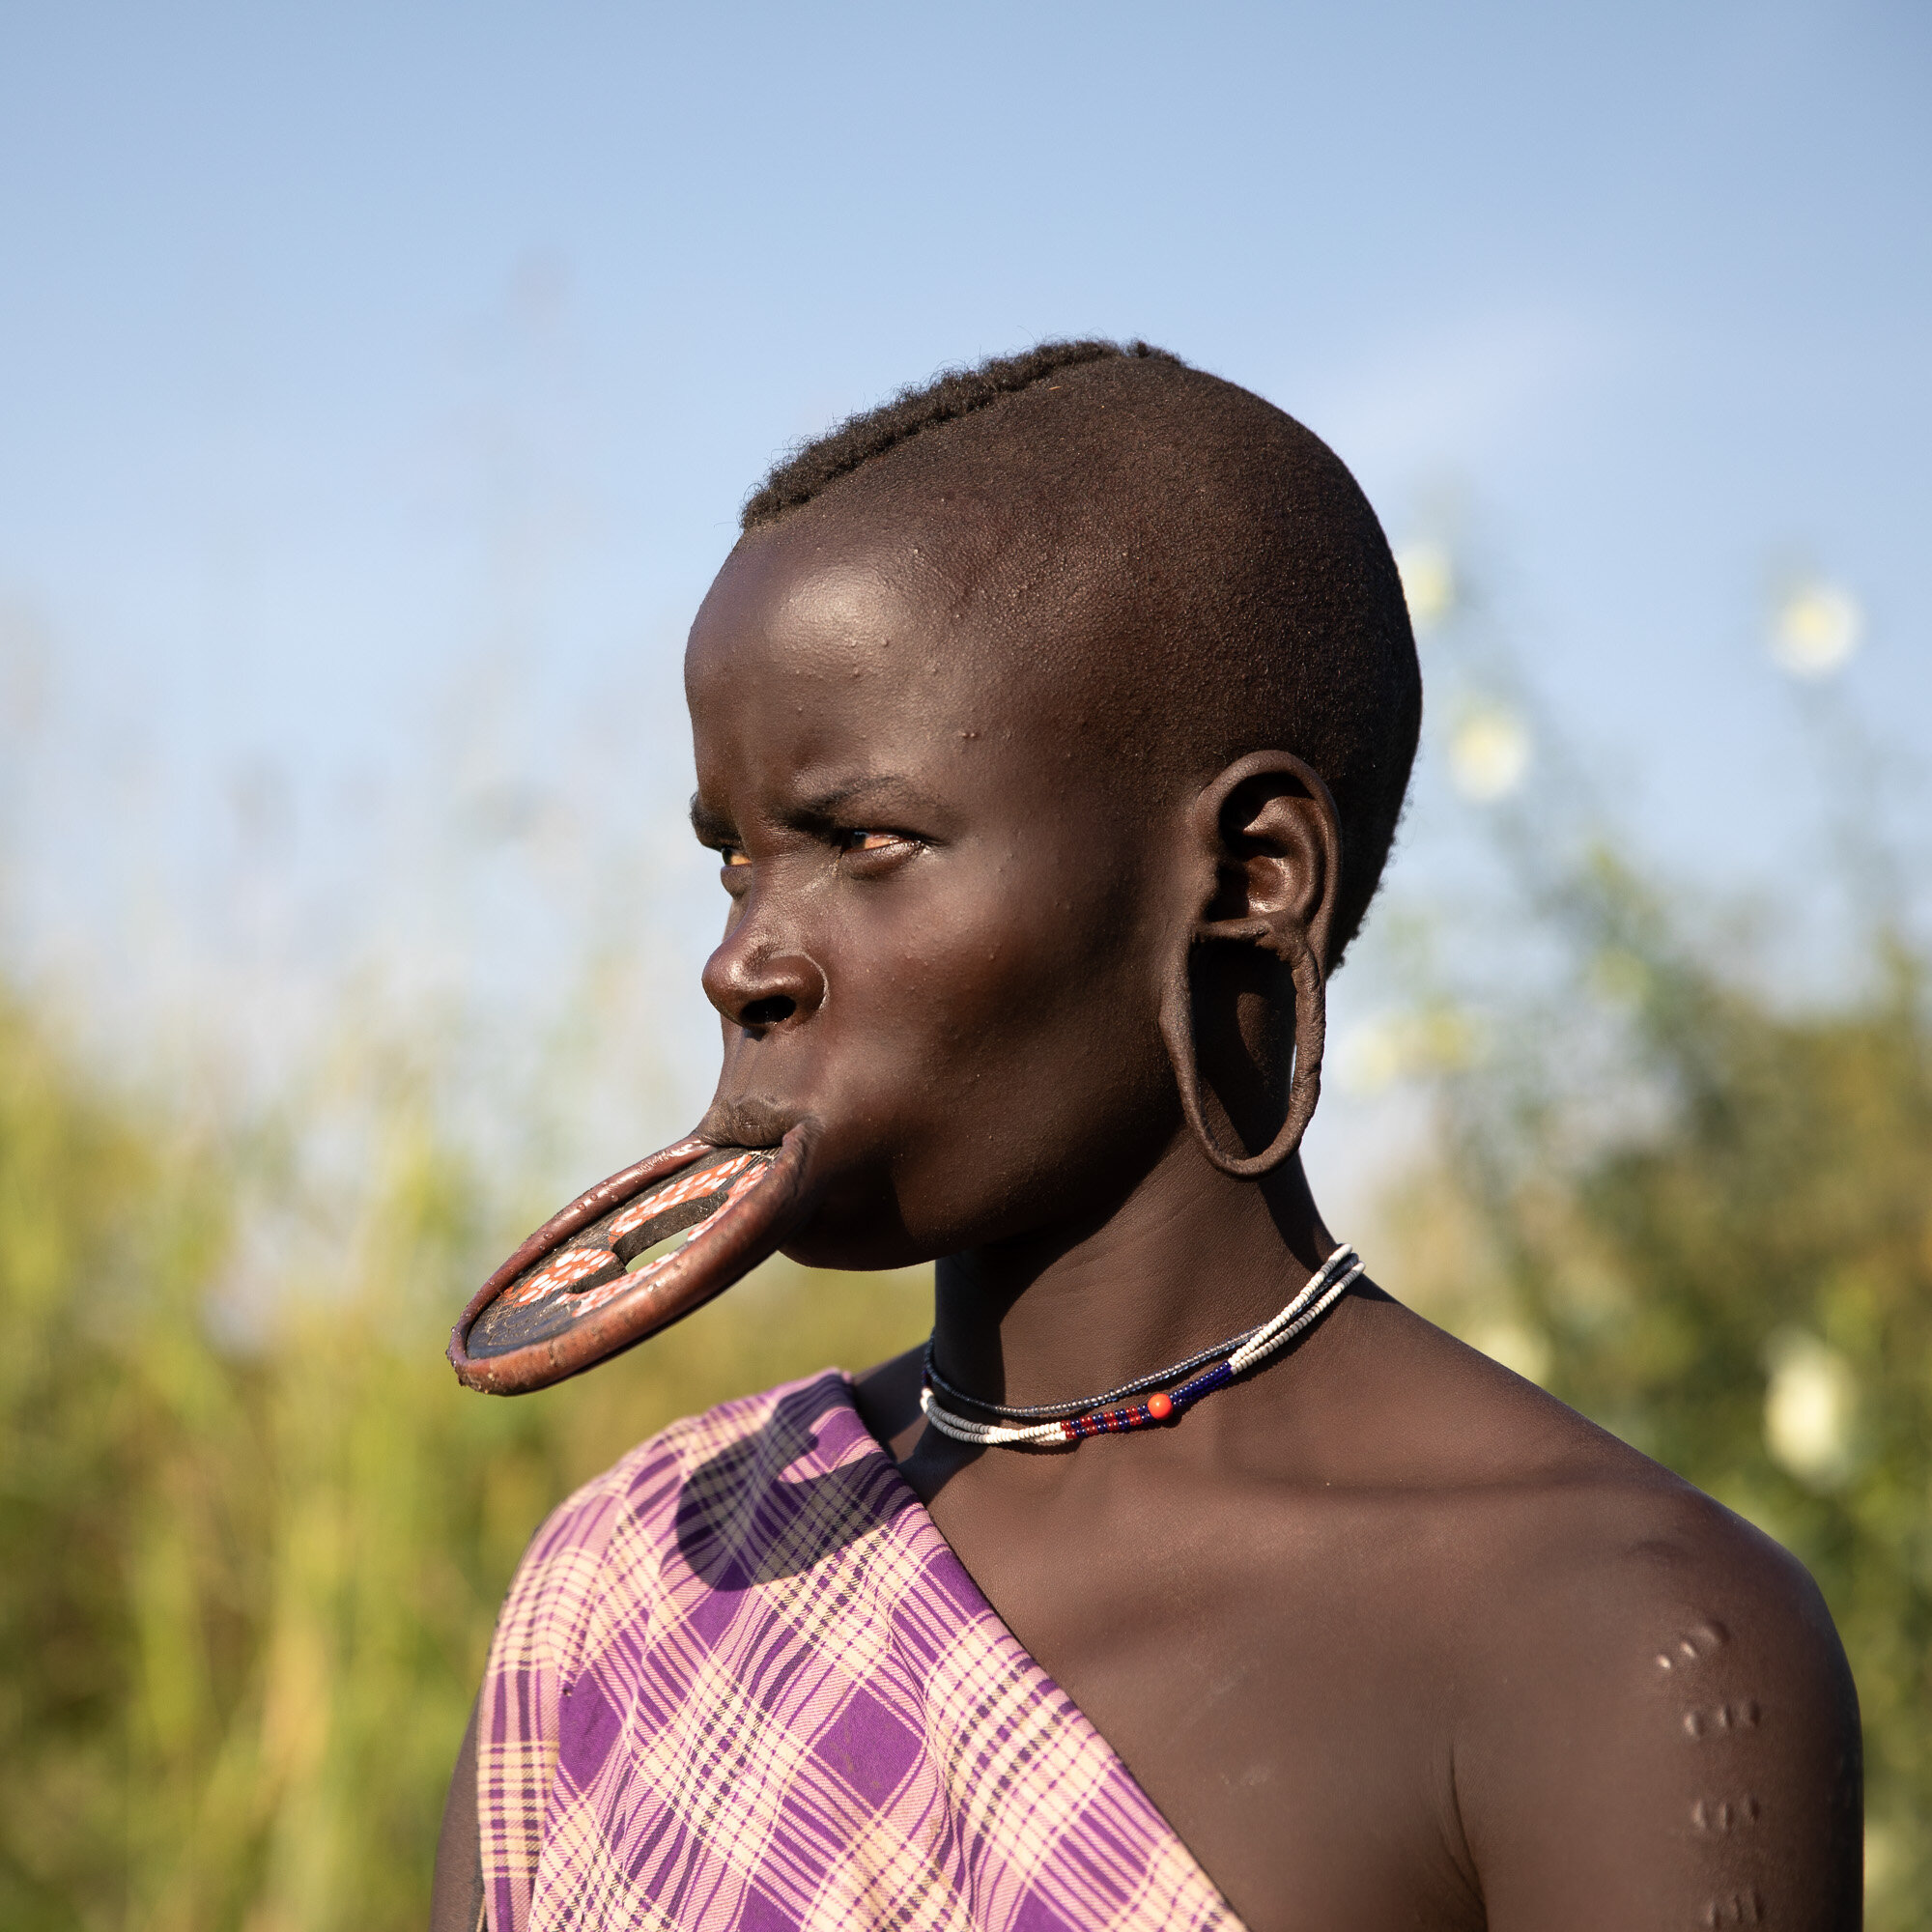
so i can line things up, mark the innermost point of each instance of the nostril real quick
(759, 989)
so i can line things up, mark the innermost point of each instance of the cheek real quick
(1028, 1073)
(1014, 984)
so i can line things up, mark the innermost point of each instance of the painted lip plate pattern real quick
(564, 1301)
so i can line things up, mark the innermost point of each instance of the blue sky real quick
(356, 361)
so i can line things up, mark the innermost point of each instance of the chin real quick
(854, 1250)
(857, 1229)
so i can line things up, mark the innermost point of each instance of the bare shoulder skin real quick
(1392, 1639)
(1441, 1653)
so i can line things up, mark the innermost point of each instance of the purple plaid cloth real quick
(740, 1681)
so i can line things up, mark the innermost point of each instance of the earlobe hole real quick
(1242, 1002)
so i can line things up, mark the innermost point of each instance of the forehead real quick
(872, 569)
(823, 643)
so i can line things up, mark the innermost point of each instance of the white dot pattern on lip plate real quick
(686, 1187)
(610, 1280)
(557, 1275)
(608, 1291)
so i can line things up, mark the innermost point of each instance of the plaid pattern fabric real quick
(742, 1682)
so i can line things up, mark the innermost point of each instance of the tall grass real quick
(252, 1554)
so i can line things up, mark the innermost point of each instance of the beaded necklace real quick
(1055, 1423)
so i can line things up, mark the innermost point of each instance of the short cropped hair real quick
(1225, 556)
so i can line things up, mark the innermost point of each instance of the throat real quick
(1174, 1279)
(1146, 1402)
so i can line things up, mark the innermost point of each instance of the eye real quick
(876, 851)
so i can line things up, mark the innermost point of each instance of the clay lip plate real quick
(569, 1298)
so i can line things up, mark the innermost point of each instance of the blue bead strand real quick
(1324, 1289)
(1188, 1393)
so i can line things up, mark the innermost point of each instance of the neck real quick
(1186, 1260)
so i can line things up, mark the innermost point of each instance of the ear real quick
(1268, 845)
(1265, 870)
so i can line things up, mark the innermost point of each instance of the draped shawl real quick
(740, 1681)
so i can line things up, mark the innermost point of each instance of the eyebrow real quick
(712, 827)
(813, 807)
(820, 804)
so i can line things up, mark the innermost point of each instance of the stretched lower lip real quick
(585, 1286)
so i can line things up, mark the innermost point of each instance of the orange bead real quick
(1160, 1407)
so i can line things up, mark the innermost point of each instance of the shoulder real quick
(1619, 1572)
(1599, 1589)
(1637, 1586)
(624, 1517)
(1569, 1532)
(1665, 1714)
(1649, 1715)
(593, 1576)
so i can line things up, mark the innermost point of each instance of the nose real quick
(759, 988)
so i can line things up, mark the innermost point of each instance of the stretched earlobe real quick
(1289, 943)
(1283, 935)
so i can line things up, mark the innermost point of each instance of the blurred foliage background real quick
(251, 1562)
(254, 1538)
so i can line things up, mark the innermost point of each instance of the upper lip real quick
(746, 1122)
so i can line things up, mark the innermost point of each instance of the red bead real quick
(1160, 1407)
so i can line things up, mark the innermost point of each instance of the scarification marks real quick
(1736, 1908)
(1717, 1719)
(1721, 1816)
(1693, 1646)
(1691, 1653)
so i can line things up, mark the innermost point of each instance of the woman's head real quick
(957, 695)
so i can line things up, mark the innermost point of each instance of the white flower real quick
(1810, 1408)
(1488, 754)
(1815, 630)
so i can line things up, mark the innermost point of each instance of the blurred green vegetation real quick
(1703, 1215)
(251, 1555)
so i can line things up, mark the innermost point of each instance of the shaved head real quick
(1178, 568)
